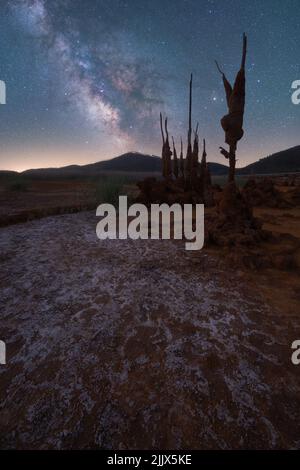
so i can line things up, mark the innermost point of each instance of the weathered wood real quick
(181, 161)
(232, 122)
(175, 160)
(168, 153)
(189, 152)
(163, 145)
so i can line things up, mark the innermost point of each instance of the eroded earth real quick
(122, 344)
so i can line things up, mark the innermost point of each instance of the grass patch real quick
(222, 180)
(16, 183)
(110, 187)
(18, 186)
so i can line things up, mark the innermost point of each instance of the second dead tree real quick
(175, 160)
(195, 159)
(166, 151)
(189, 152)
(205, 179)
(181, 161)
(203, 165)
(232, 123)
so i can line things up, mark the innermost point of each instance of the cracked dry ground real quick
(137, 344)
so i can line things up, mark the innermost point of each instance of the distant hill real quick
(132, 162)
(286, 161)
(135, 162)
(128, 162)
(217, 169)
(7, 174)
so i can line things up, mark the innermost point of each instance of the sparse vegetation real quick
(18, 186)
(110, 187)
(221, 180)
(16, 183)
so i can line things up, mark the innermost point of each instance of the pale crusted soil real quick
(137, 344)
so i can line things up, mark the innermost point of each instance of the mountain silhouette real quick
(286, 161)
(133, 162)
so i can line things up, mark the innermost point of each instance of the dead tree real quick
(181, 161)
(166, 151)
(205, 178)
(196, 152)
(232, 123)
(175, 160)
(163, 146)
(204, 170)
(206, 167)
(195, 160)
(203, 163)
(189, 152)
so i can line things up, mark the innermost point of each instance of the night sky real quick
(86, 79)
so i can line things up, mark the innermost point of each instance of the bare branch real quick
(166, 129)
(161, 128)
(224, 152)
(244, 51)
(218, 67)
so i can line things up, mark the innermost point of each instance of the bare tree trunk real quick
(166, 151)
(232, 161)
(232, 122)
(168, 154)
(163, 147)
(181, 161)
(175, 160)
(189, 153)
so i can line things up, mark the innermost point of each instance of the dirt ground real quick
(140, 344)
(41, 198)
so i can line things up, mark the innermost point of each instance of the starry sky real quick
(86, 79)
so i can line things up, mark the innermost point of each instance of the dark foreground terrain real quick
(141, 344)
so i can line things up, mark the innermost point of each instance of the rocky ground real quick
(138, 344)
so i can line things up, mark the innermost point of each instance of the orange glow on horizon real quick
(24, 159)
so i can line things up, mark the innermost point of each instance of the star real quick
(99, 73)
